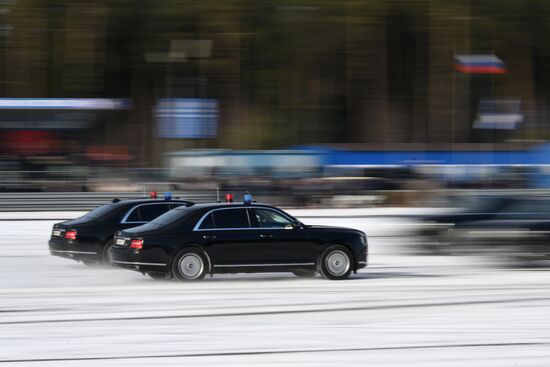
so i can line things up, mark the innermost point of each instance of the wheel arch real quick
(103, 248)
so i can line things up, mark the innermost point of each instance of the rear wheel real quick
(189, 264)
(106, 253)
(336, 263)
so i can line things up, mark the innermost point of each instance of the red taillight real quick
(70, 235)
(136, 244)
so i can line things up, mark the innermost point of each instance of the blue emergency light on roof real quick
(247, 199)
(167, 195)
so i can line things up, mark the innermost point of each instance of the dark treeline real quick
(285, 72)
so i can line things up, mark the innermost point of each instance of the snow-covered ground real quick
(400, 311)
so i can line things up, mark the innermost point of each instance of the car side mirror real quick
(295, 224)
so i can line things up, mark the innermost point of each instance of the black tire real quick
(158, 276)
(305, 273)
(189, 265)
(336, 263)
(105, 253)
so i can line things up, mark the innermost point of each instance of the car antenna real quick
(218, 193)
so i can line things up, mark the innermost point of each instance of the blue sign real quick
(186, 118)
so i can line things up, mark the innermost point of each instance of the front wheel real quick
(336, 263)
(189, 264)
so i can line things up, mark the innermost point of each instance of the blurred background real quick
(317, 103)
(424, 123)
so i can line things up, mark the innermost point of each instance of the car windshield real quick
(98, 212)
(486, 204)
(526, 209)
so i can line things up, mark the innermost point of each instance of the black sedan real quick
(89, 238)
(521, 233)
(189, 242)
(434, 230)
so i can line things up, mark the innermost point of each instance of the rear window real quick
(172, 215)
(150, 212)
(99, 212)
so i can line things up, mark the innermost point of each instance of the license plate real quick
(120, 241)
(57, 233)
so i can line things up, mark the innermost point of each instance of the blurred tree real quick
(286, 72)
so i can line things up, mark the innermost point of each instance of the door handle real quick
(206, 236)
(266, 235)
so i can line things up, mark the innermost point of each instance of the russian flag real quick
(479, 64)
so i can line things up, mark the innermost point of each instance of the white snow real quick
(400, 311)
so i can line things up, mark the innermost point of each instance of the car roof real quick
(148, 200)
(209, 206)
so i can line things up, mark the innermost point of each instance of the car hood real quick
(460, 217)
(504, 224)
(333, 228)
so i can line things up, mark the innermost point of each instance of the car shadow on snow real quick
(284, 277)
(391, 274)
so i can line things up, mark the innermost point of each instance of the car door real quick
(279, 240)
(227, 236)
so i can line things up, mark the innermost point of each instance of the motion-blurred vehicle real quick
(189, 242)
(433, 233)
(514, 228)
(520, 233)
(89, 238)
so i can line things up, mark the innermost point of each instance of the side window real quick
(266, 218)
(150, 212)
(231, 218)
(207, 223)
(134, 216)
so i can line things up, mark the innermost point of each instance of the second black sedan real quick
(89, 238)
(189, 242)
(520, 234)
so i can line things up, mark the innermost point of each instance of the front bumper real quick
(363, 259)
(74, 250)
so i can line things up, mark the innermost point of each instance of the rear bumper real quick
(74, 250)
(136, 260)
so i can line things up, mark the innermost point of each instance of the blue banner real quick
(186, 118)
